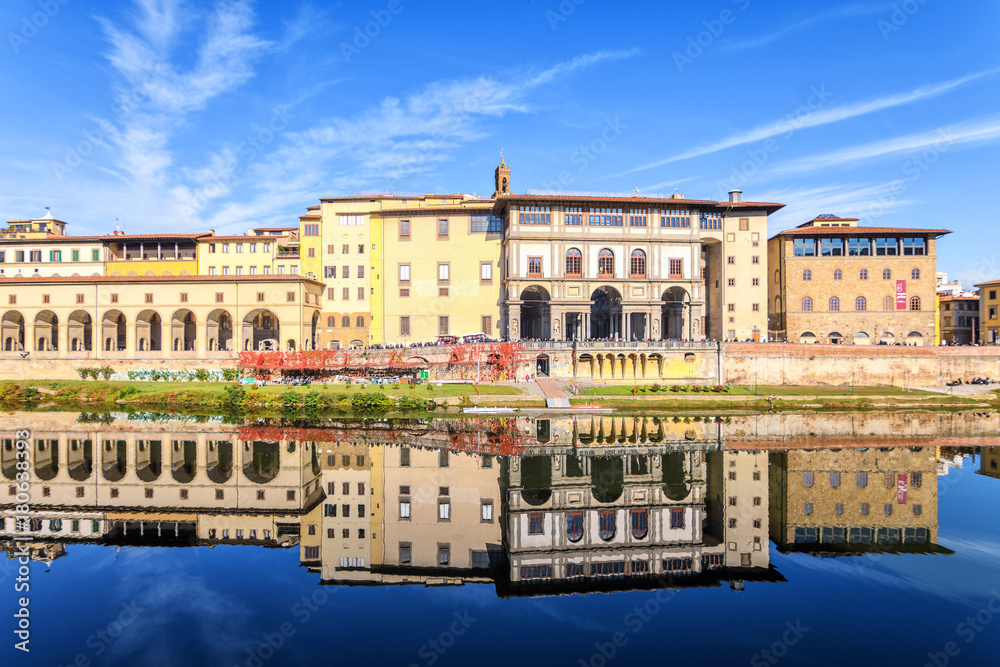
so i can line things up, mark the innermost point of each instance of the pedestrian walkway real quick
(554, 396)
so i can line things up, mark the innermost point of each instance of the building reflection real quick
(534, 506)
(989, 462)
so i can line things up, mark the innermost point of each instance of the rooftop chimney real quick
(735, 196)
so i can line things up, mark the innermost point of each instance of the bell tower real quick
(502, 178)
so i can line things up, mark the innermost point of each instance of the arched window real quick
(605, 264)
(637, 264)
(864, 274)
(331, 321)
(860, 304)
(574, 526)
(640, 524)
(574, 263)
(345, 321)
(915, 274)
(807, 275)
(777, 277)
(777, 306)
(607, 524)
(837, 275)
(361, 321)
(915, 303)
(807, 304)
(807, 479)
(834, 304)
(888, 303)
(886, 274)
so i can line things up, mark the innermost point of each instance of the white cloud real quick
(941, 140)
(846, 11)
(815, 118)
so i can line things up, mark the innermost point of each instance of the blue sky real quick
(182, 116)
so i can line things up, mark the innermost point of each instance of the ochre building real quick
(832, 281)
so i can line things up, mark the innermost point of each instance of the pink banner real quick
(902, 488)
(900, 295)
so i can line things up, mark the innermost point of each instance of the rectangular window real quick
(859, 247)
(404, 553)
(290, 297)
(574, 215)
(95, 255)
(804, 247)
(444, 554)
(361, 271)
(346, 294)
(534, 215)
(361, 294)
(731, 259)
(444, 510)
(886, 246)
(444, 272)
(404, 229)
(831, 247)
(442, 227)
(443, 458)
(637, 218)
(534, 267)
(442, 325)
(404, 274)
(404, 325)
(311, 229)
(676, 517)
(676, 268)
(487, 322)
(352, 219)
(486, 511)
(606, 217)
(744, 224)
(914, 246)
(485, 273)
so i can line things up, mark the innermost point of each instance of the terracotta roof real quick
(241, 237)
(953, 297)
(134, 237)
(8, 280)
(990, 283)
(53, 239)
(439, 209)
(635, 201)
(858, 231)
(275, 229)
(364, 197)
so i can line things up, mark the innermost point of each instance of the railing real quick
(620, 345)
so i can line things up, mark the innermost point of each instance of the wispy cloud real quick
(845, 11)
(845, 199)
(944, 138)
(816, 118)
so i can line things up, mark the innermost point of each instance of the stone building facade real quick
(989, 307)
(832, 281)
(959, 319)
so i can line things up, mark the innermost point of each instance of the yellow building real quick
(989, 306)
(260, 252)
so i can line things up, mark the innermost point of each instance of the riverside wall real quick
(844, 365)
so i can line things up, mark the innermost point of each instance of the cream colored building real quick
(632, 267)
(260, 252)
(111, 317)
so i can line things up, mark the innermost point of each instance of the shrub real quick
(365, 402)
(233, 396)
(84, 373)
(696, 388)
(230, 374)
(202, 375)
(655, 388)
(105, 372)
(126, 392)
(675, 388)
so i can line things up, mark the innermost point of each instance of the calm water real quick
(775, 540)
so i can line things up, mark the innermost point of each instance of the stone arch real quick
(184, 460)
(807, 337)
(114, 460)
(536, 480)
(606, 313)
(915, 338)
(80, 329)
(148, 331)
(607, 478)
(676, 485)
(535, 313)
(13, 331)
(46, 331)
(148, 459)
(675, 313)
(80, 459)
(261, 460)
(219, 330)
(219, 465)
(585, 365)
(313, 342)
(46, 458)
(183, 331)
(261, 330)
(113, 331)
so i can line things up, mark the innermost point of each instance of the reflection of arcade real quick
(580, 523)
(162, 487)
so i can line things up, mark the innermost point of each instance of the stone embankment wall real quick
(65, 369)
(843, 365)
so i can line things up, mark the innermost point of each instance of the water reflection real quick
(534, 506)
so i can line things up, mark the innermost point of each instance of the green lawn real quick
(431, 390)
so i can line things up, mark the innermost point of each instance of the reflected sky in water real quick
(520, 541)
